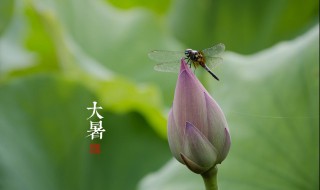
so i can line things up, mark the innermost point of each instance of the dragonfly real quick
(169, 61)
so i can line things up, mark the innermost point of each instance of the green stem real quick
(210, 178)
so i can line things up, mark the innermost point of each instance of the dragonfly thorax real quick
(193, 55)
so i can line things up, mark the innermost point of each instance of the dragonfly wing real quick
(168, 67)
(214, 51)
(213, 62)
(165, 56)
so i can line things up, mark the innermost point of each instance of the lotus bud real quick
(198, 132)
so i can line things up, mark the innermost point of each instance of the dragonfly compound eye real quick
(187, 52)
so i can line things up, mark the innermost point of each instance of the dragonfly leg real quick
(188, 61)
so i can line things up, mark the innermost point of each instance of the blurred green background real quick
(57, 57)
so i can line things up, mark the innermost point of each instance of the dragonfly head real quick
(187, 52)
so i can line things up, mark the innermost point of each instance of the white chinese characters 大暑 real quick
(96, 128)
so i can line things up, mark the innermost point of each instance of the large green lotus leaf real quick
(245, 26)
(119, 94)
(120, 40)
(117, 39)
(271, 101)
(43, 144)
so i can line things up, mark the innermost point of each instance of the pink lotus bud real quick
(198, 132)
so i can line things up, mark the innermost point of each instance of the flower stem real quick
(210, 178)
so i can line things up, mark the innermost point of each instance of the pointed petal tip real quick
(226, 146)
(189, 126)
(193, 130)
(185, 67)
(183, 64)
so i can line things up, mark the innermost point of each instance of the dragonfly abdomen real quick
(209, 71)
